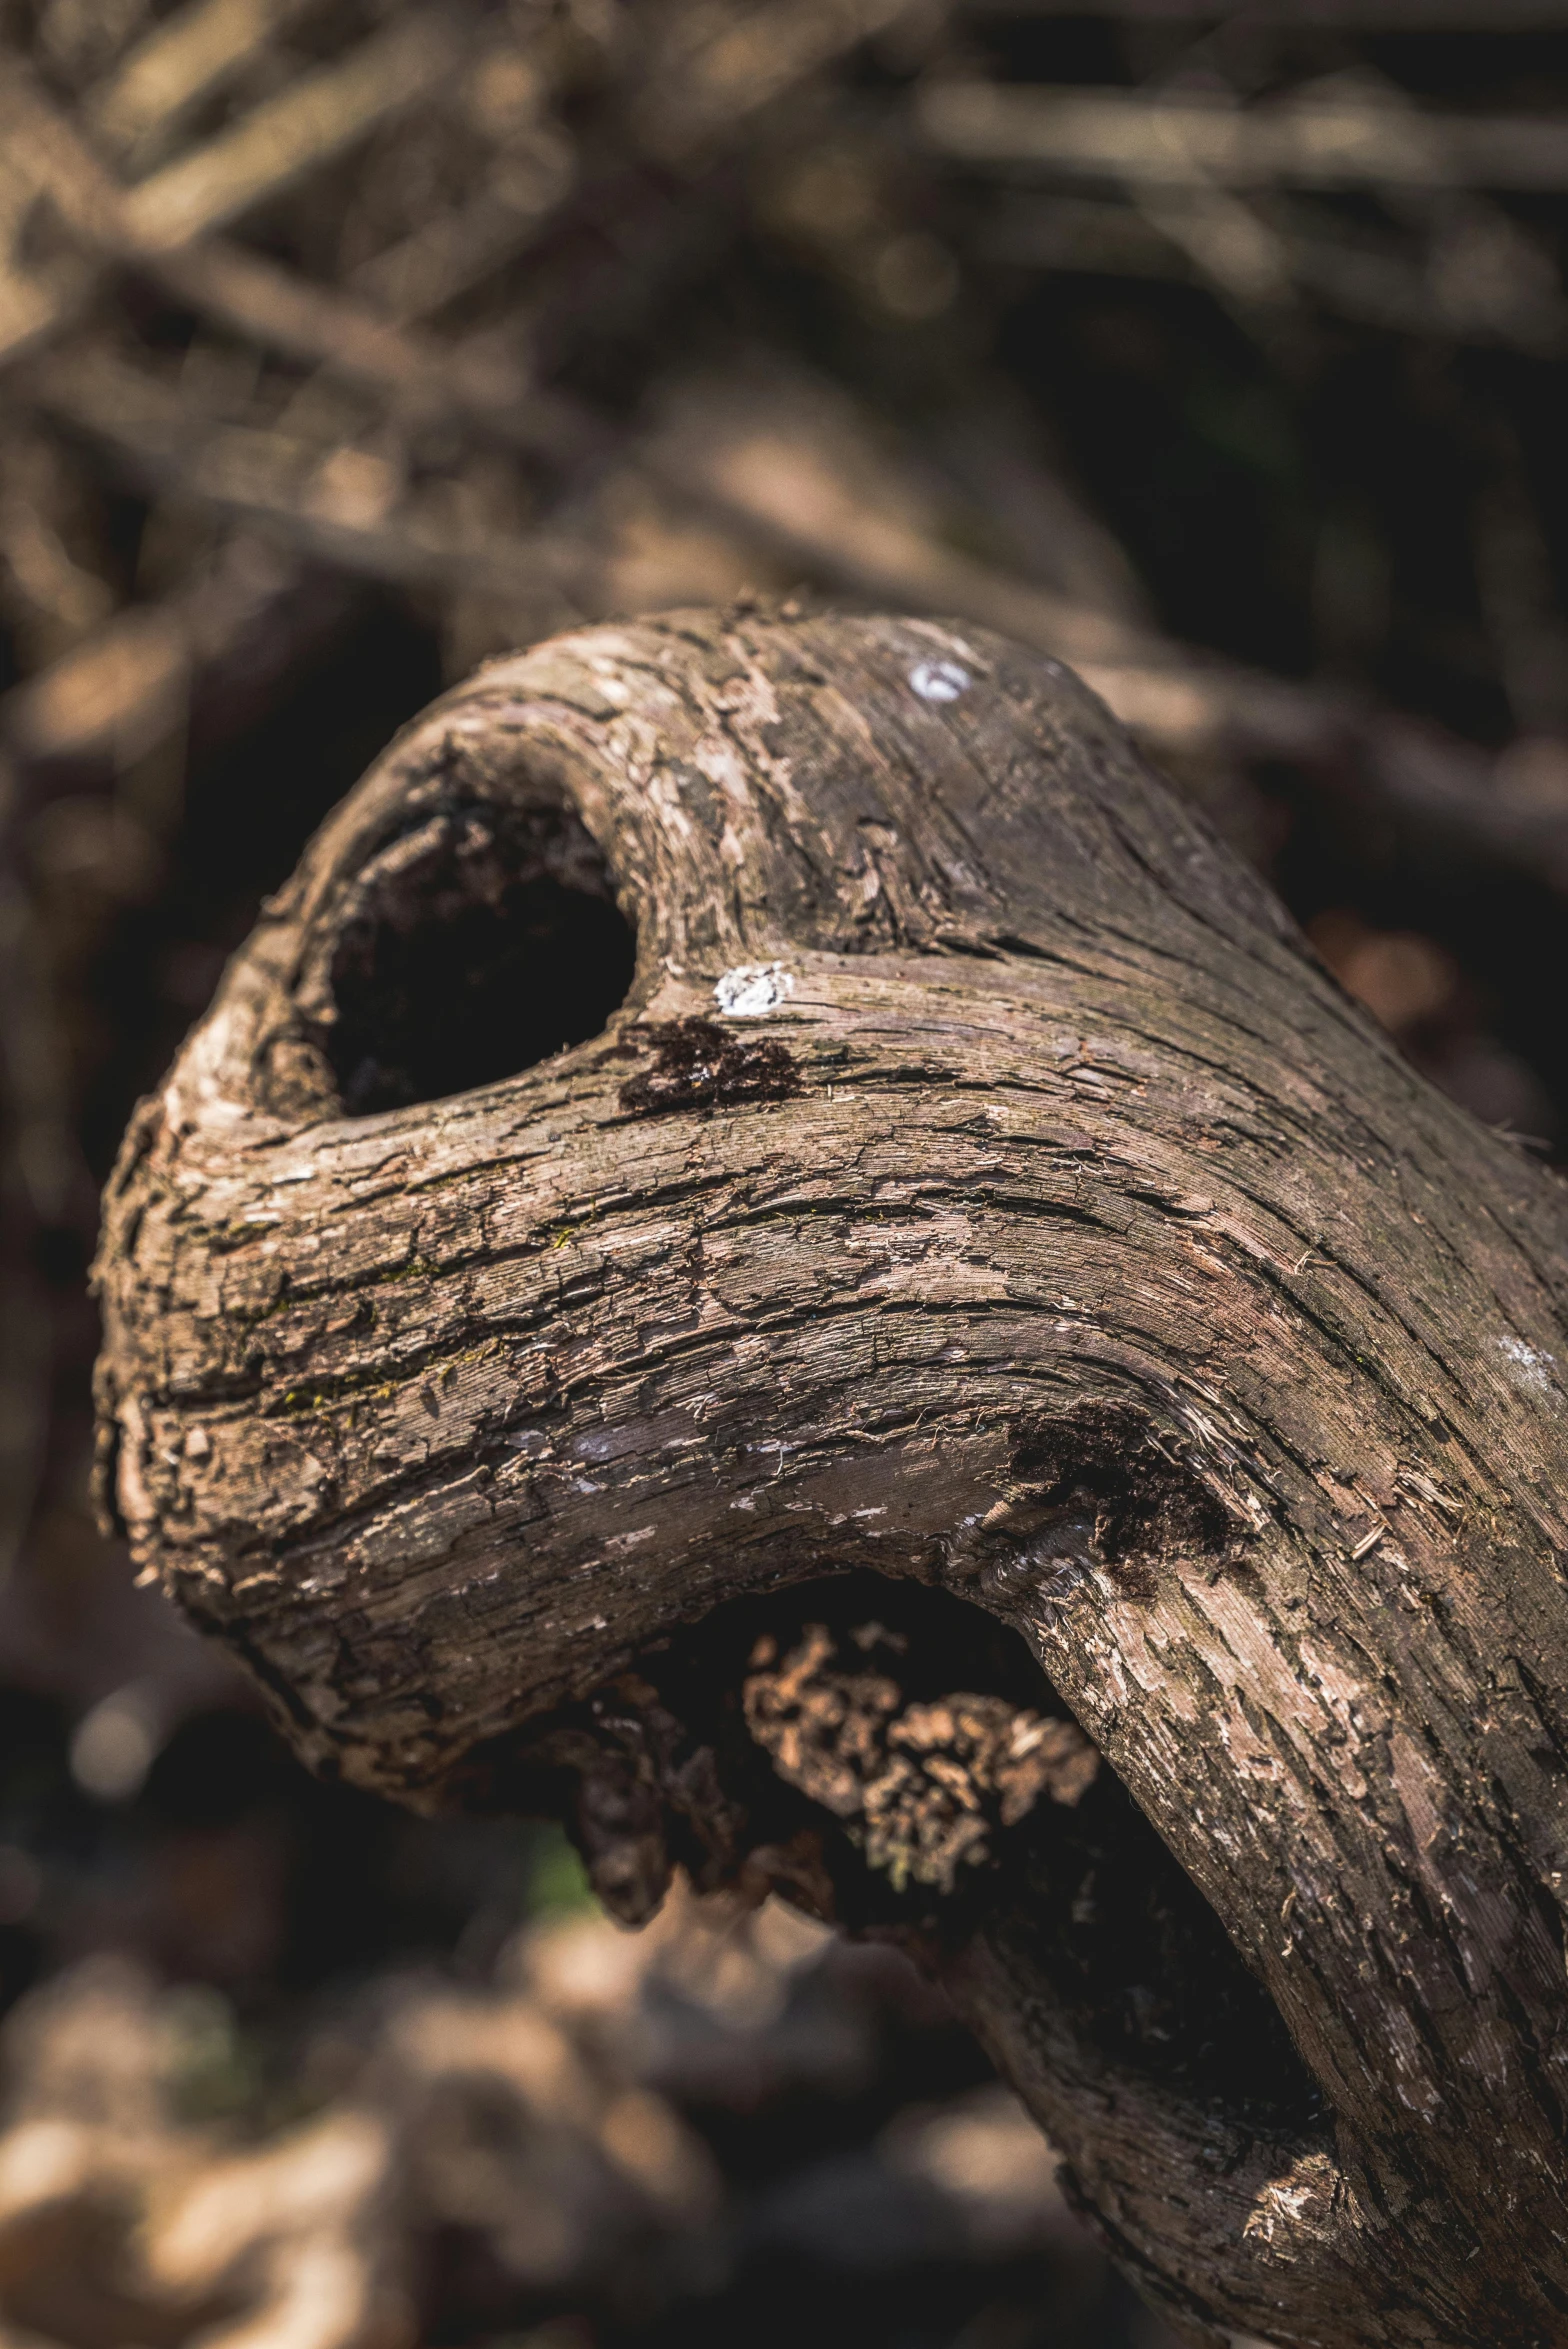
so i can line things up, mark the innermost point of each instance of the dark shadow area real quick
(248, 805)
(491, 940)
(663, 1768)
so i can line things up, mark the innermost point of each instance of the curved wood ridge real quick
(982, 1184)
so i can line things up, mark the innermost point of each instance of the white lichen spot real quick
(753, 988)
(1530, 1371)
(940, 680)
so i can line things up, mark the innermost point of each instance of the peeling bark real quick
(980, 1187)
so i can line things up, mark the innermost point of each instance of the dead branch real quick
(294, 133)
(205, 657)
(1013, 1214)
(183, 59)
(1322, 141)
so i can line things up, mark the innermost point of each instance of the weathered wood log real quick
(976, 1186)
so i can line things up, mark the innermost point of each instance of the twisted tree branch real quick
(981, 1189)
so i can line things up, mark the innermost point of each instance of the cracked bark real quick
(980, 1187)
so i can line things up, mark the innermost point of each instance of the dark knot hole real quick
(478, 943)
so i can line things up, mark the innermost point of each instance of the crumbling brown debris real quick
(923, 1788)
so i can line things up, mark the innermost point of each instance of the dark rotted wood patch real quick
(699, 1065)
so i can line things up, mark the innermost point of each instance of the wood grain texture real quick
(1053, 1231)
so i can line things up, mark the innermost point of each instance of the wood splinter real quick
(970, 1210)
